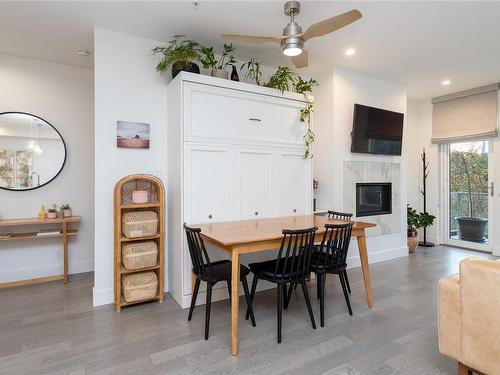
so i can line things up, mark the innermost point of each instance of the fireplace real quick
(374, 198)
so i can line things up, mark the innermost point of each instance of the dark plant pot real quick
(179, 67)
(471, 228)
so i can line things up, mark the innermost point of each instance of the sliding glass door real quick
(468, 191)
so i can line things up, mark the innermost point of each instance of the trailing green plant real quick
(227, 57)
(253, 70)
(304, 87)
(178, 51)
(283, 79)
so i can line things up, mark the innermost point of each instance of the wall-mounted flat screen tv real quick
(376, 131)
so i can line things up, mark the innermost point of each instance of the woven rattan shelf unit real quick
(123, 204)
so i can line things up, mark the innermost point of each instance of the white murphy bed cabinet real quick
(235, 151)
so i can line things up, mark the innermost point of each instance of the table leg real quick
(235, 300)
(363, 256)
(65, 251)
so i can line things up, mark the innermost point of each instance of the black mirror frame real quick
(60, 136)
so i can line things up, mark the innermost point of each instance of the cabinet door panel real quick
(221, 113)
(254, 182)
(208, 183)
(295, 184)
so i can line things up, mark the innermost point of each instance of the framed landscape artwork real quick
(132, 134)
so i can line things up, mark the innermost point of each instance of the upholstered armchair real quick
(469, 316)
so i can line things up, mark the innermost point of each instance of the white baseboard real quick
(19, 274)
(102, 296)
(379, 256)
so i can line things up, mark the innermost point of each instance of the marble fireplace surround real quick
(374, 171)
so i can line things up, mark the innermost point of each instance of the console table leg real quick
(65, 251)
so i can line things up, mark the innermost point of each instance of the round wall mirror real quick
(32, 152)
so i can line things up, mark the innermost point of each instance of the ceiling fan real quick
(292, 40)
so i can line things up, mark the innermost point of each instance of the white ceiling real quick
(417, 44)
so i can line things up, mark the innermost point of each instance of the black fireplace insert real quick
(374, 198)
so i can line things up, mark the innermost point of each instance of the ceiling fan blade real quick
(331, 24)
(301, 60)
(252, 38)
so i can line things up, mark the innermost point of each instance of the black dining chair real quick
(211, 273)
(290, 267)
(331, 258)
(347, 217)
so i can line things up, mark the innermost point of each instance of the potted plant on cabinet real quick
(180, 54)
(472, 166)
(218, 67)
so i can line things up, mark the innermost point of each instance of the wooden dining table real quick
(251, 236)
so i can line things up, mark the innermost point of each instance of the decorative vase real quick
(219, 73)
(412, 241)
(67, 212)
(60, 214)
(234, 74)
(51, 215)
(178, 67)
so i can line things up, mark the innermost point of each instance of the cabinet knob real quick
(294, 210)
(210, 216)
(256, 213)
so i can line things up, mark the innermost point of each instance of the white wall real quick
(418, 134)
(63, 96)
(339, 90)
(127, 88)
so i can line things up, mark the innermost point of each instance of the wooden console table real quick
(65, 233)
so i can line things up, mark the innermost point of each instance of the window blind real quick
(466, 115)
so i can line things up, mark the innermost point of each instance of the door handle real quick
(492, 189)
(255, 119)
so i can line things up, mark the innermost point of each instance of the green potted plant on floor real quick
(180, 54)
(416, 220)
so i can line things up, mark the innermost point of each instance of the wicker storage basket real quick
(139, 255)
(139, 286)
(139, 224)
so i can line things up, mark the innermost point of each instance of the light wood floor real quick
(53, 329)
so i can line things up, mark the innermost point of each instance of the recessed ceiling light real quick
(446, 82)
(350, 51)
(82, 52)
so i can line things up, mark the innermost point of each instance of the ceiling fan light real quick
(292, 51)
(292, 46)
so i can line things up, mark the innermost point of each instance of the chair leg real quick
(318, 286)
(279, 305)
(346, 294)
(248, 299)
(321, 280)
(207, 309)
(347, 281)
(289, 295)
(308, 303)
(252, 294)
(193, 298)
(229, 289)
